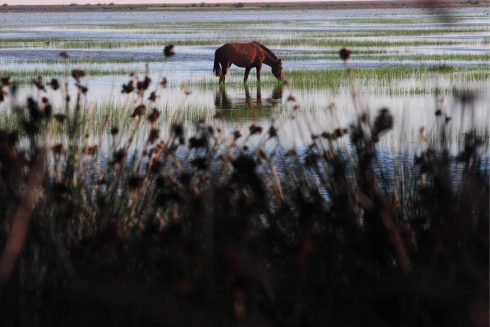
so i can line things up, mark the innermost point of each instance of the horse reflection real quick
(224, 101)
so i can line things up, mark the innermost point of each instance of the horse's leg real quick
(258, 68)
(259, 96)
(247, 71)
(247, 95)
(225, 66)
(222, 74)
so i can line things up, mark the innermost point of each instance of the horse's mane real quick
(266, 50)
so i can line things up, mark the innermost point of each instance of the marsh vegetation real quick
(137, 191)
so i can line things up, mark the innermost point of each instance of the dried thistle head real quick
(139, 111)
(135, 181)
(119, 155)
(60, 118)
(58, 149)
(177, 130)
(55, 84)
(344, 54)
(168, 51)
(272, 132)
(128, 88)
(82, 88)
(383, 121)
(327, 135)
(153, 96)
(77, 74)
(200, 163)
(153, 116)
(64, 55)
(254, 129)
(144, 84)
(38, 82)
(91, 150)
(198, 142)
(154, 135)
(5, 81)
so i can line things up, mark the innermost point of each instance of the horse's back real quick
(241, 54)
(239, 46)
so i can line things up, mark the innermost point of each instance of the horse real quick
(246, 55)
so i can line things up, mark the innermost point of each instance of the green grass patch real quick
(334, 79)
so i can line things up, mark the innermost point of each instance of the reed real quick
(143, 224)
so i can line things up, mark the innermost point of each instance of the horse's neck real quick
(268, 59)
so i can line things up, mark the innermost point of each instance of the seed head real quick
(177, 129)
(5, 80)
(60, 118)
(254, 129)
(58, 148)
(139, 111)
(344, 54)
(128, 88)
(168, 51)
(197, 142)
(135, 181)
(91, 150)
(64, 55)
(119, 155)
(82, 88)
(272, 132)
(77, 74)
(55, 84)
(38, 82)
(144, 84)
(154, 134)
(200, 163)
(153, 96)
(327, 135)
(153, 117)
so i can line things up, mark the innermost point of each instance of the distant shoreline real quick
(330, 5)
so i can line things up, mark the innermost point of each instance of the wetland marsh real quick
(137, 191)
(402, 59)
(406, 60)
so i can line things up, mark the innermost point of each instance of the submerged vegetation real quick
(135, 223)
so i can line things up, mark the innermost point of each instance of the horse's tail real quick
(217, 67)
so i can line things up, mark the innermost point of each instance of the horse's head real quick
(277, 70)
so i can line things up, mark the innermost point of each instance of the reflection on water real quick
(224, 101)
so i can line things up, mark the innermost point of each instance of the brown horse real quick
(247, 55)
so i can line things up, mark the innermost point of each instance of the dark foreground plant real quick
(196, 230)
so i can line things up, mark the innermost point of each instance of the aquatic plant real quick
(202, 227)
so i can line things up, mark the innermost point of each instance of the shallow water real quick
(413, 101)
